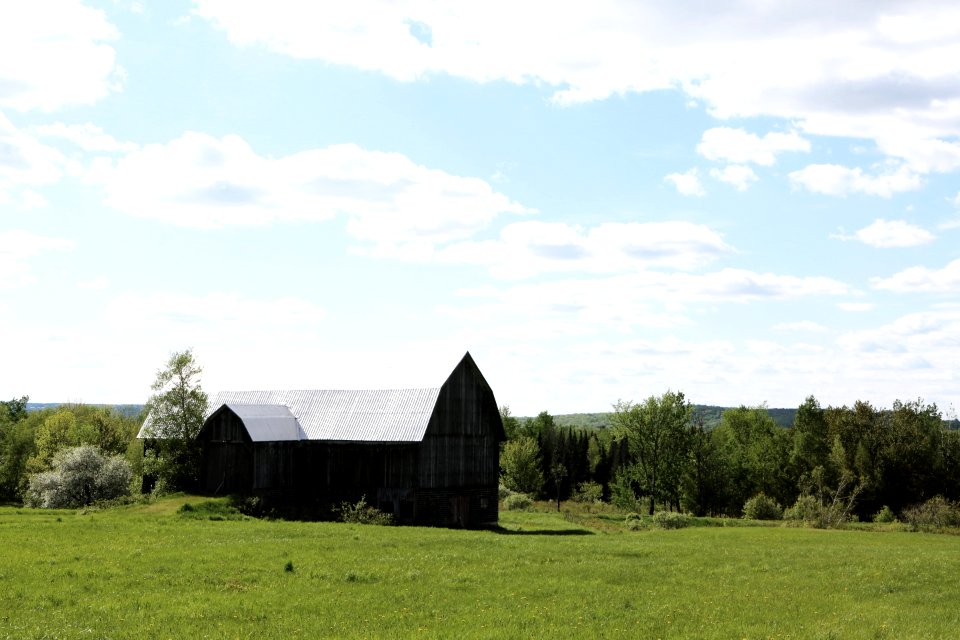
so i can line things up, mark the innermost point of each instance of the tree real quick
(511, 424)
(658, 436)
(16, 447)
(520, 463)
(176, 413)
(80, 476)
(757, 451)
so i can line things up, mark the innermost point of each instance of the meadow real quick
(157, 571)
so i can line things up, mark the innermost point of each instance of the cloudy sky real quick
(599, 201)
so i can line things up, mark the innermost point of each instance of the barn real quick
(429, 456)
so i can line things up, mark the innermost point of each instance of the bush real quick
(671, 520)
(503, 493)
(589, 492)
(935, 513)
(518, 501)
(885, 516)
(362, 513)
(762, 507)
(80, 477)
(811, 511)
(805, 509)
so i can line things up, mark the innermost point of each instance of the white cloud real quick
(530, 248)
(740, 147)
(856, 307)
(738, 175)
(862, 70)
(87, 136)
(893, 233)
(24, 160)
(54, 54)
(17, 249)
(100, 283)
(687, 184)
(800, 325)
(388, 200)
(837, 180)
(917, 279)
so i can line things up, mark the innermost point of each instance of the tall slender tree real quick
(177, 410)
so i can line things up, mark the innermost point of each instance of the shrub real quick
(885, 515)
(825, 515)
(589, 492)
(762, 507)
(635, 525)
(80, 477)
(518, 501)
(503, 493)
(362, 513)
(935, 513)
(632, 516)
(805, 509)
(671, 520)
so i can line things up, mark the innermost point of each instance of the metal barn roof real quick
(267, 422)
(392, 415)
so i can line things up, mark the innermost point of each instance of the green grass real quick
(159, 571)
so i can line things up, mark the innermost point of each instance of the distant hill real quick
(130, 410)
(710, 414)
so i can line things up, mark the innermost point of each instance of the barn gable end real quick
(430, 456)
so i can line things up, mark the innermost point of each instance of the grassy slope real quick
(148, 572)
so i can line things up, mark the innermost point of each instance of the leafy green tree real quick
(658, 437)
(757, 452)
(511, 424)
(176, 413)
(16, 447)
(705, 480)
(520, 466)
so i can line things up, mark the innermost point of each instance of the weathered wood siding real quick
(459, 458)
(228, 455)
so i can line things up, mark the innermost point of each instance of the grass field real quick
(150, 571)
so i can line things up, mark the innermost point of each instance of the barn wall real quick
(227, 455)
(459, 461)
(462, 444)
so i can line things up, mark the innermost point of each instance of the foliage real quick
(363, 513)
(823, 506)
(177, 410)
(80, 476)
(762, 507)
(756, 454)
(511, 424)
(517, 501)
(657, 433)
(16, 447)
(520, 466)
(588, 492)
(671, 520)
(885, 516)
(935, 513)
(805, 509)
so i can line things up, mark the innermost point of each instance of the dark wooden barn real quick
(429, 456)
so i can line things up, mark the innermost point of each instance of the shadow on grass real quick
(539, 532)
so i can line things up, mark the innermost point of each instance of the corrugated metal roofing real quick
(379, 415)
(267, 422)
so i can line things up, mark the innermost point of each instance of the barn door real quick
(460, 508)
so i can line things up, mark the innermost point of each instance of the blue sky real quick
(600, 201)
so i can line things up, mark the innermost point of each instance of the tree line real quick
(74, 454)
(660, 454)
